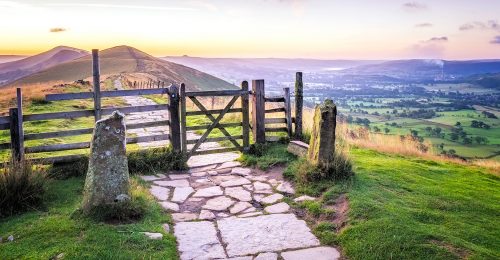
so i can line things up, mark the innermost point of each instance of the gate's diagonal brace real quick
(213, 125)
(212, 118)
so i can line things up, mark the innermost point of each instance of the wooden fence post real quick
(182, 96)
(245, 120)
(258, 111)
(299, 102)
(288, 111)
(16, 127)
(97, 84)
(175, 134)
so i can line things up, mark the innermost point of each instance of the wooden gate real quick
(215, 120)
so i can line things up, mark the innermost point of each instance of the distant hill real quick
(9, 58)
(11, 71)
(237, 69)
(427, 69)
(128, 61)
(490, 80)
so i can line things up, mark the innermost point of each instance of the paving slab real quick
(277, 232)
(160, 193)
(208, 192)
(181, 194)
(218, 203)
(198, 240)
(238, 193)
(317, 253)
(174, 183)
(277, 208)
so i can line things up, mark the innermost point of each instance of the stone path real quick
(225, 211)
(140, 117)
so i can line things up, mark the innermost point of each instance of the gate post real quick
(182, 97)
(245, 120)
(16, 128)
(175, 134)
(299, 88)
(97, 84)
(258, 111)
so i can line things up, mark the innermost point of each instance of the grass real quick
(55, 230)
(403, 207)
(267, 156)
(411, 208)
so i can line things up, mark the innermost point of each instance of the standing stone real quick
(322, 144)
(107, 180)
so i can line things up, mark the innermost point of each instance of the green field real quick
(445, 120)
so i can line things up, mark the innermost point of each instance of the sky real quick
(321, 29)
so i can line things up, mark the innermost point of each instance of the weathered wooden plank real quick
(5, 146)
(5, 126)
(214, 111)
(59, 115)
(288, 111)
(216, 139)
(175, 125)
(58, 159)
(16, 133)
(134, 109)
(245, 116)
(115, 93)
(57, 134)
(97, 84)
(212, 118)
(258, 111)
(57, 147)
(221, 150)
(275, 110)
(147, 139)
(201, 127)
(149, 124)
(4, 119)
(216, 93)
(276, 129)
(299, 102)
(275, 121)
(275, 99)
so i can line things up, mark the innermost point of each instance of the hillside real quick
(490, 80)
(427, 69)
(275, 69)
(129, 62)
(13, 70)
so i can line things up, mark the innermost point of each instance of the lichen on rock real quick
(107, 180)
(322, 143)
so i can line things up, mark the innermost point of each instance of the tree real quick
(454, 136)
(458, 124)
(387, 130)
(376, 129)
(467, 140)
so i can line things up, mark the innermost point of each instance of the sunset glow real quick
(361, 29)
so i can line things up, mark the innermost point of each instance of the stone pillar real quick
(107, 180)
(322, 143)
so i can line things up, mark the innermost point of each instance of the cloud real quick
(414, 6)
(476, 25)
(57, 30)
(431, 48)
(438, 39)
(496, 40)
(423, 25)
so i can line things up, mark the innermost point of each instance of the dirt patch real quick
(275, 172)
(341, 208)
(458, 252)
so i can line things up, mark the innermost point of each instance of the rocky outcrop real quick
(107, 181)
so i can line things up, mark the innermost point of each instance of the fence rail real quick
(176, 123)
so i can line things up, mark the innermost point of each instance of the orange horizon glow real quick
(389, 29)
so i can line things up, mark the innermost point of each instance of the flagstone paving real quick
(225, 211)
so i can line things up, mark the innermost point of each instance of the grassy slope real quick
(400, 205)
(407, 208)
(45, 234)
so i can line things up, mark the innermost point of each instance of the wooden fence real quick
(176, 122)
